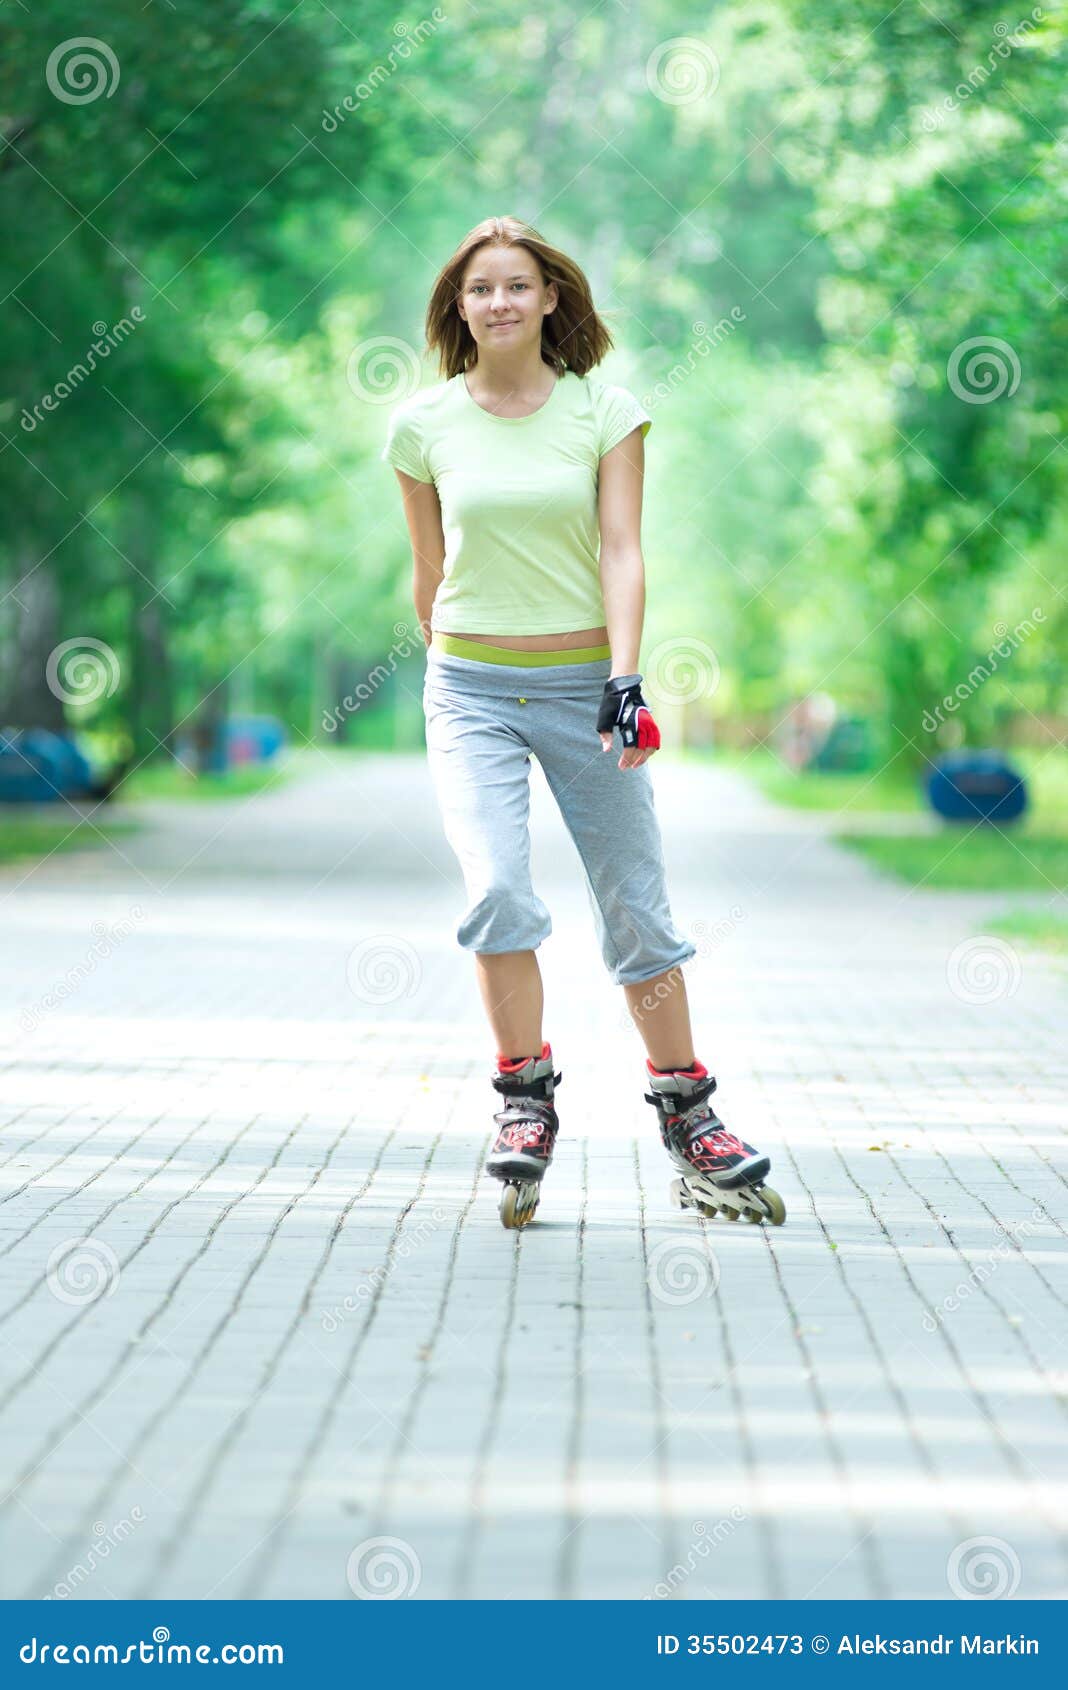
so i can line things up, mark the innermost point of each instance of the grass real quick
(986, 860)
(1028, 856)
(890, 790)
(25, 836)
(1032, 927)
(171, 780)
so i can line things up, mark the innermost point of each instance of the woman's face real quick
(503, 298)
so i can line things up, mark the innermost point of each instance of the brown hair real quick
(573, 336)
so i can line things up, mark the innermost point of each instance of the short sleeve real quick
(404, 444)
(620, 414)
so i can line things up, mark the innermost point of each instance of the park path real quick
(258, 1312)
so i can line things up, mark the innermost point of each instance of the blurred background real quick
(830, 242)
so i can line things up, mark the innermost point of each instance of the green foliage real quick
(37, 836)
(792, 230)
(1031, 927)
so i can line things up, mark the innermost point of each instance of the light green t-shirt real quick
(518, 501)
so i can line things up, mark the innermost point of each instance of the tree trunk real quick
(151, 697)
(27, 640)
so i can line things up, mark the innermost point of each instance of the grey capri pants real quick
(484, 720)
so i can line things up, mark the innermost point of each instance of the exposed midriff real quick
(574, 641)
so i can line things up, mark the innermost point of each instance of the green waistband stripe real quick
(454, 647)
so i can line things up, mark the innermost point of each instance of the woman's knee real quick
(505, 918)
(639, 940)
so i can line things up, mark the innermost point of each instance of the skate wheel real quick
(518, 1205)
(684, 1198)
(775, 1207)
(731, 1214)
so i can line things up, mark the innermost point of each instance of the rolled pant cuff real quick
(627, 977)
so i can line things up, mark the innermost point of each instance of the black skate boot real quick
(721, 1174)
(527, 1137)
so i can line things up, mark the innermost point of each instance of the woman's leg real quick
(611, 817)
(511, 988)
(480, 763)
(660, 1010)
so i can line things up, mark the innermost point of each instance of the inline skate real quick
(720, 1174)
(528, 1126)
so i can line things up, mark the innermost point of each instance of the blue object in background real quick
(970, 786)
(254, 739)
(37, 767)
(848, 747)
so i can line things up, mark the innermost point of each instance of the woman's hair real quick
(573, 337)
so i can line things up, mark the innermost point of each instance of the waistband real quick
(511, 680)
(452, 646)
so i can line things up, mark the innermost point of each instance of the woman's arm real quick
(619, 505)
(422, 512)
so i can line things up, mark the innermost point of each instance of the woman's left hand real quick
(624, 707)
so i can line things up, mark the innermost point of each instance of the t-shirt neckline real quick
(493, 415)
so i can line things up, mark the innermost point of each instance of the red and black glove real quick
(623, 707)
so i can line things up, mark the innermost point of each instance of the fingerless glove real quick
(623, 707)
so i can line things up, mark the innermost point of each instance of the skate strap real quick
(679, 1100)
(512, 1085)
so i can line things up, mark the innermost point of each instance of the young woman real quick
(521, 476)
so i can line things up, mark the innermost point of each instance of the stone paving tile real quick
(245, 1098)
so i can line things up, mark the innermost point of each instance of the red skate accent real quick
(722, 1143)
(519, 1137)
(697, 1072)
(506, 1065)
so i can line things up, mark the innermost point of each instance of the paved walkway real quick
(258, 1311)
